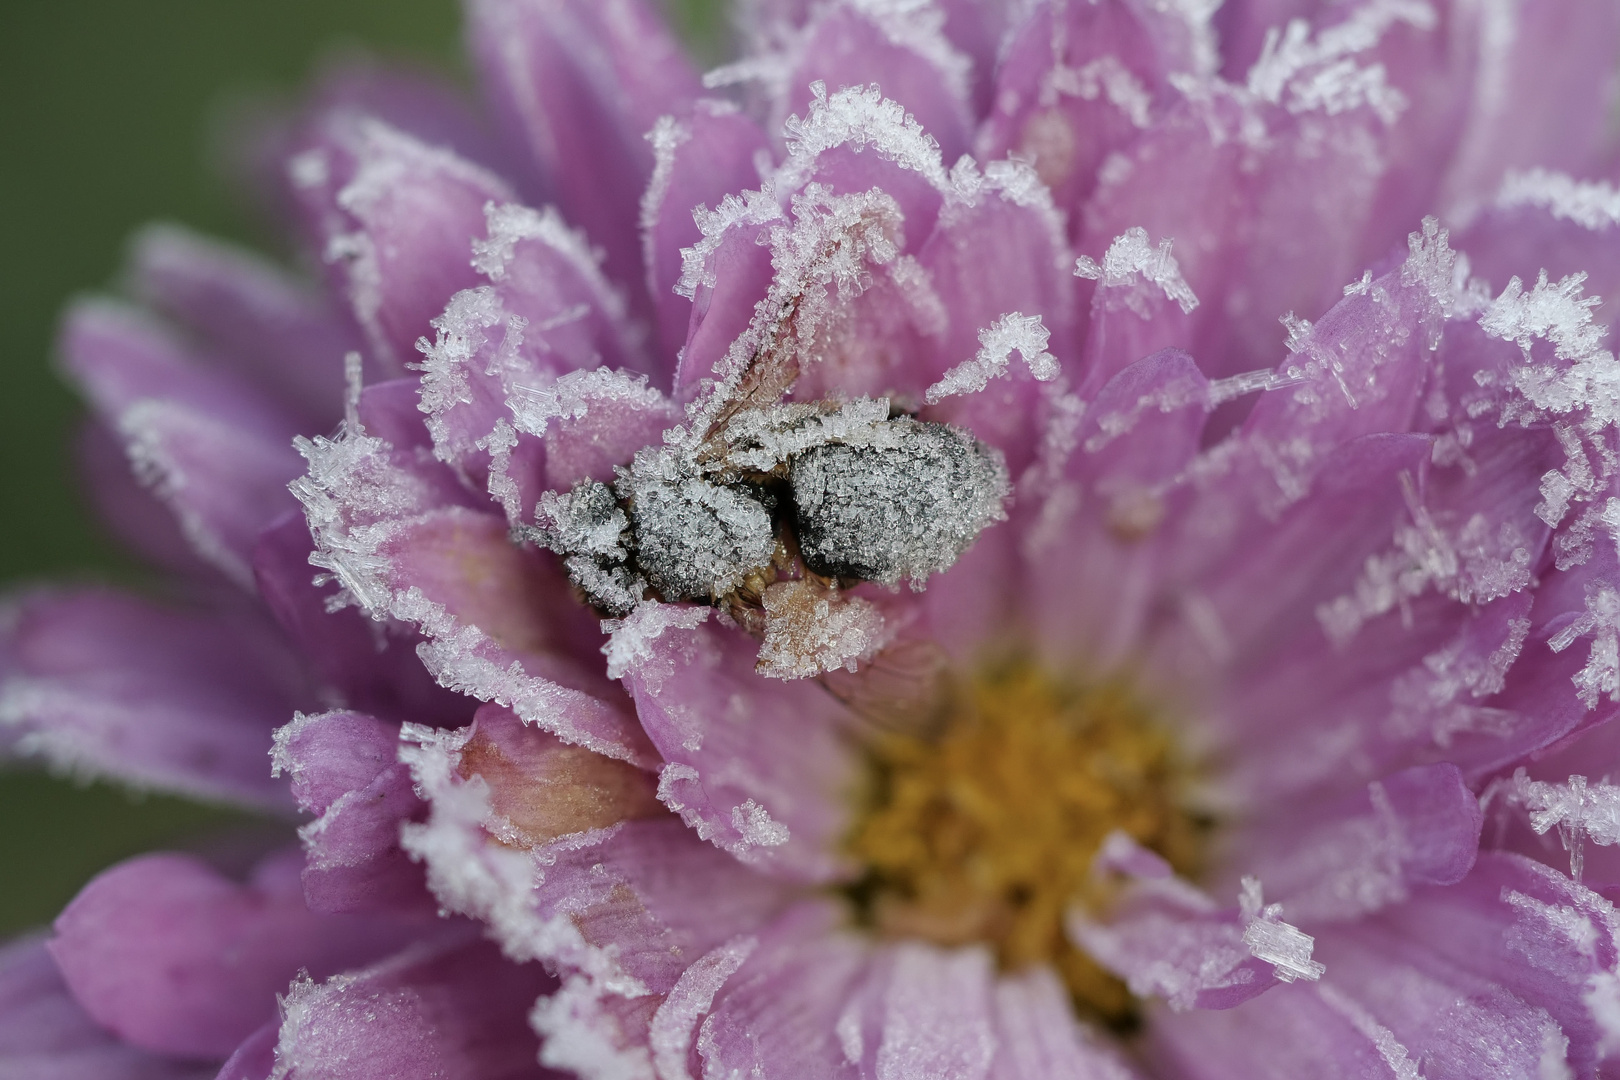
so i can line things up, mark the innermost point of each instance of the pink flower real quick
(1091, 551)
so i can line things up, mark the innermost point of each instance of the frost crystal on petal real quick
(1132, 254)
(1284, 946)
(1013, 332)
(809, 630)
(859, 116)
(1578, 810)
(1320, 72)
(1591, 204)
(1601, 620)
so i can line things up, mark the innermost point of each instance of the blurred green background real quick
(106, 110)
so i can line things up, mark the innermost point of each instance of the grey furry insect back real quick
(907, 510)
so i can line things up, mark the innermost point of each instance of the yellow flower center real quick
(982, 826)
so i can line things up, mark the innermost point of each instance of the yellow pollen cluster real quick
(983, 828)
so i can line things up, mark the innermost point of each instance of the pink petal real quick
(45, 1035)
(700, 159)
(272, 327)
(456, 1012)
(756, 766)
(577, 84)
(394, 218)
(108, 685)
(176, 959)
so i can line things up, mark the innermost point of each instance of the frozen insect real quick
(811, 498)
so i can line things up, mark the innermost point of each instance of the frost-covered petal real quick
(498, 350)
(1455, 1023)
(1092, 542)
(846, 304)
(1361, 368)
(45, 1035)
(904, 51)
(1544, 77)
(621, 904)
(371, 666)
(511, 613)
(1539, 219)
(700, 159)
(923, 1011)
(344, 770)
(1039, 1038)
(1079, 81)
(130, 509)
(541, 789)
(1533, 932)
(455, 1011)
(780, 1010)
(207, 445)
(753, 765)
(1300, 1030)
(394, 219)
(1319, 544)
(1167, 939)
(576, 85)
(499, 620)
(1340, 860)
(251, 314)
(175, 958)
(108, 685)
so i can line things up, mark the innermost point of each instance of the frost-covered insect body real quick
(880, 513)
(860, 495)
(692, 539)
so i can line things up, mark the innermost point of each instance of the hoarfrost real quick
(509, 224)
(734, 211)
(829, 251)
(756, 827)
(1391, 1049)
(459, 333)
(858, 116)
(1013, 332)
(1323, 74)
(751, 826)
(1132, 254)
(571, 395)
(1284, 946)
(1472, 563)
(1171, 939)
(1600, 621)
(357, 501)
(1591, 204)
(1106, 77)
(1167, 397)
(471, 873)
(675, 1022)
(694, 540)
(385, 158)
(1441, 697)
(157, 435)
(590, 531)
(919, 27)
(582, 1035)
(630, 640)
(1578, 810)
(810, 630)
(667, 136)
(1578, 388)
